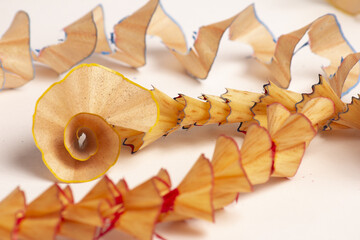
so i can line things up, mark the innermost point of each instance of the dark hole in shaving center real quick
(82, 141)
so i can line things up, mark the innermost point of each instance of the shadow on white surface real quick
(319, 2)
(342, 135)
(254, 69)
(29, 160)
(186, 228)
(345, 151)
(163, 60)
(44, 73)
(268, 185)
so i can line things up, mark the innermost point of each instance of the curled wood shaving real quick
(16, 63)
(348, 118)
(247, 107)
(108, 108)
(99, 104)
(86, 36)
(273, 150)
(273, 147)
(207, 187)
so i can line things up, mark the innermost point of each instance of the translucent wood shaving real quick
(207, 187)
(16, 64)
(80, 121)
(275, 149)
(86, 36)
(74, 121)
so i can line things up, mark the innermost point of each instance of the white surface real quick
(321, 202)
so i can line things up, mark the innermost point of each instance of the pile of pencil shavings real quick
(80, 122)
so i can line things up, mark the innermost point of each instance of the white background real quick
(320, 202)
